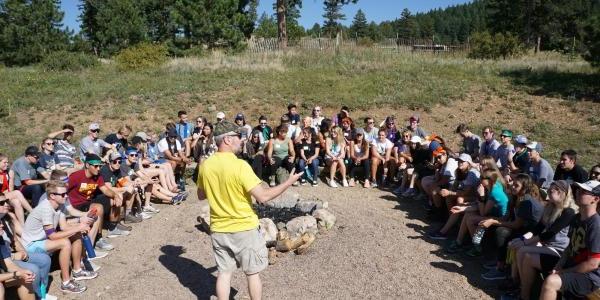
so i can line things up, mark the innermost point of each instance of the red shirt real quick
(81, 189)
(3, 182)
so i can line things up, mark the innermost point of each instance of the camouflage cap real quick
(226, 127)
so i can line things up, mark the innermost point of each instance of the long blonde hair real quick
(339, 139)
(553, 211)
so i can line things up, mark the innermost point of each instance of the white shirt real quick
(382, 146)
(164, 146)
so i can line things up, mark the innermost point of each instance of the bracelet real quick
(15, 275)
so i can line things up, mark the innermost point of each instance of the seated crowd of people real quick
(537, 219)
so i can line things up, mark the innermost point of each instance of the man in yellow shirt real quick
(228, 183)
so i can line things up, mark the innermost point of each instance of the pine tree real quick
(406, 26)
(314, 31)
(360, 26)
(267, 27)
(333, 14)
(30, 30)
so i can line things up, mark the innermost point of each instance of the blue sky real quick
(312, 10)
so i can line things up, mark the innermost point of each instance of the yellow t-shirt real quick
(227, 181)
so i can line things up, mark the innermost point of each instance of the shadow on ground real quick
(575, 86)
(193, 276)
(470, 268)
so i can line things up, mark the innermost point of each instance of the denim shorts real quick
(37, 247)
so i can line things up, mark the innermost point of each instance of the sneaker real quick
(90, 266)
(104, 245)
(99, 254)
(490, 265)
(144, 215)
(399, 191)
(494, 274)
(302, 182)
(367, 184)
(454, 247)
(345, 183)
(352, 182)
(184, 195)
(272, 183)
(475, 251)
(51, 297)
(333, 184)
(83, 275)
(411, 192)
(374, 184)
(315, 183)
(437, 235)
(176, 200)
(131, 218)
(117, 233)
(124, 227)
(150, 209)
(72, 287)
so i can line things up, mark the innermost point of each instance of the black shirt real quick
(577, 174)
(309, 147)
(110, 176)
(120, 144)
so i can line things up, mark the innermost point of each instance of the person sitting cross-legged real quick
(42, 234)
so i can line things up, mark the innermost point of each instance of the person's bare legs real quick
(374, 164)
(332, 170)
(452, 219)
(76, 251)
(97, 226)
(550, 288)
(224, 285)
(161, 196)
(18, 202)
(64, 255)
(25, 292)
(529, 266)
(254, 286)
(343, 170)
(162, 177)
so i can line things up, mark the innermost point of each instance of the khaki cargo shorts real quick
(245, 249)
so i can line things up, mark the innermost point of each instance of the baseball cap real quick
(414, 118)
(416, 139)
(537, 146)
(226, 128)
(506, 132)
(239, 116)
(592, 186)
(172, 133)
(360, 131)
(94, 126)
(115, 155)
(131, 150)
(93, 159)
(562, 185)
(33, 151)
(142, 135)
(439, 151)
(521, 139)
(136, 140)
(465, 157)
(220, 115)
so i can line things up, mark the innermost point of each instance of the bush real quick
(141, 56)
(486, 46)
(592, 41)
(68, 61)
(364, 42)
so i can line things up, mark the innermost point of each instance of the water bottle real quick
(308, 173)
(43, 291)
(89, 247)
(478, 235)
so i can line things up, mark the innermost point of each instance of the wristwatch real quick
(15, 275)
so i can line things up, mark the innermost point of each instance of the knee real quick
(552, 283)
(65, 244)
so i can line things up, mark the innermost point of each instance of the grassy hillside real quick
(547, 96)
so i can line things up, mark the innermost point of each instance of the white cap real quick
(592, 186)
(94, 126)
(220, 115)
(465, 157)
(416, 139)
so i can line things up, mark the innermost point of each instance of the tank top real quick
(335, 149)
(281, 148)
(4, 182)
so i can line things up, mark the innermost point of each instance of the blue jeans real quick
(314, 169)
(38, 263)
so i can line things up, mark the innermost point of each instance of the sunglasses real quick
(116, 161)
(239, 135)
(199, 121)
(407, 136)
(96, 166)
(316, 110)
(95, 130)
(60, 194)
(439, 156)
(595, 173)
(133, 155)
(263, 124)
(390, 124)
(504, 136)
(486, 132)
(50, 144)
(370, 122)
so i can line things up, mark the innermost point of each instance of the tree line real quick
(32, 29)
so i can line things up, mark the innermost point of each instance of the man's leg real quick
(76, 251)
(550, 288)
(224, 285)
(64, 255)
(97, 226)
(25, 291)
(254, 286)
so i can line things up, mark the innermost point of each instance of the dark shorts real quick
(576, 284)
(98, 199)
(548, 262)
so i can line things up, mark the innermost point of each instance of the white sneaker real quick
(332, 184)
(103, 244)
(90, 265)
(345, 183)
(145, 215)
(51, 297)
(99, 254)
(150, 209)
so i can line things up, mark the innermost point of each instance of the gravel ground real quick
(375, 250)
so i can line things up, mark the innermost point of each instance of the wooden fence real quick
(261, 45)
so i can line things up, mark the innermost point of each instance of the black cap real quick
(32, 151)
(172, 133)
(93, 159)
(136, 140)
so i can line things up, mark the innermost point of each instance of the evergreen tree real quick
(267, 27)
(30, 30)
(406, 26)
(314, 31)
(373, 32)
(359, 27)
(333, 15)
(292, 14)
(591, 39)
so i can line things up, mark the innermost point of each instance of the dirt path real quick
(376, 250)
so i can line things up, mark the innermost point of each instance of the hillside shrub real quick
(141, 56)
(500, 45)
(68, 61)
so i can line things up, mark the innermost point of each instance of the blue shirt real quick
(184, 130)
(500, 199)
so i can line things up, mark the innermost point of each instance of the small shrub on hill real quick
(68, 61)
(486, 46)
(141, 56)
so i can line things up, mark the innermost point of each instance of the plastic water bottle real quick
(478, 235)
(89, 247)
(43, 291)
(308, 173)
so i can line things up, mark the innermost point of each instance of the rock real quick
(308, 206)
(300, 225)
(268, 230)
(325, 218)
(211, 108)
(287, 199)
(281, 226)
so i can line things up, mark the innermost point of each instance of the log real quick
(289, 245)
(308, 239)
